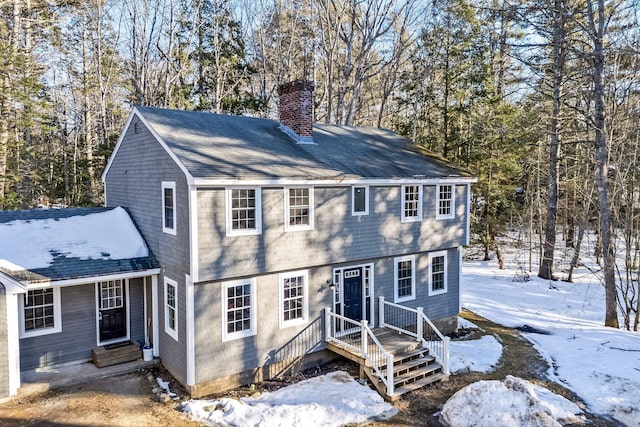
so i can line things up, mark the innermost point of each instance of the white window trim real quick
(446, 273)
(452, 214)
(173, 333)
(287, 226)
(397, 260)
(57, 317)
(171, 185)
(258, 218)
(226, 336)
(353, 200)
(305, 298)
(417, 218)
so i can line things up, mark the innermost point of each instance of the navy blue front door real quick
(352, 286)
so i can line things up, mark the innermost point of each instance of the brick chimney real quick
(296, 110)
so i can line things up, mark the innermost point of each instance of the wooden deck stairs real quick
(413, 367)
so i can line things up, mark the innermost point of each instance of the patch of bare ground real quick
(129, 400)
(519, 358)
(124, 401)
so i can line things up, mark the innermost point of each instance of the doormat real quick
(117, 345)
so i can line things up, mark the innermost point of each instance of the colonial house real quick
(281, 242)
(241, 248)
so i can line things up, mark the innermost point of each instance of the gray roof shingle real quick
(219, 146)
(66, 267)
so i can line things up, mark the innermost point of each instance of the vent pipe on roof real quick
(296, 110)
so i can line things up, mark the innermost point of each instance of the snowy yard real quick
(601, 365)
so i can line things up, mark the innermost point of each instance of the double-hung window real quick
(404, 274)
(40, 312)
(169, 207)
(411, 203)
(171, 308)
(437, 273)
(359, 200)
(298, 209)
(244, 211)
(293, 298)
(445, 201)
(238, 309)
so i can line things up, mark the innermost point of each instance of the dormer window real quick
(244, 211)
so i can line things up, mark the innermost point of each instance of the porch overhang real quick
(33, 284)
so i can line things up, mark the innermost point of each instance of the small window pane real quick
(411, 201)
(168, 208)
(243, 209)
(39, 310)
(359, 199)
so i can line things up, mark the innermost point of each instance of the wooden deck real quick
(413, 366)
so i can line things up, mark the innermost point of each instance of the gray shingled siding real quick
(215, 359)
(136, 310)
(79, 328)
(4, 345)
(134, 181)
(338, 236)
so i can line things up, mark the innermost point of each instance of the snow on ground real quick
(474, 355)
(103, 235)
(601, 365)
(333, 399)
(512, 402)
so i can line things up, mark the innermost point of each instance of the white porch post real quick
(419, 315)
(13, 338)
(381, 311)
(327, 324)
(154, 315)
(445, 356)
(363, 338)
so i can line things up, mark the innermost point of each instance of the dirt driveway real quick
(128, 400)
(124, 400)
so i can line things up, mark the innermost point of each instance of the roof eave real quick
(91, 279)
(223, 182)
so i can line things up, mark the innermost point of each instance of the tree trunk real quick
(597, 22)
(546, 265)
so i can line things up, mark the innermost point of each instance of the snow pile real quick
(599, 364)
(511, 402)
(479, 355)
(333, 399)
(33, 244)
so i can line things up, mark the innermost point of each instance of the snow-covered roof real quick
(62, 244)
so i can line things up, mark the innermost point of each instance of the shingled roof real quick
(50, 245)
(219, 146)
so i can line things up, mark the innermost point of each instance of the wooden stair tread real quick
(103, 357)
(428, 370)
(419, 384)
(401, 357)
